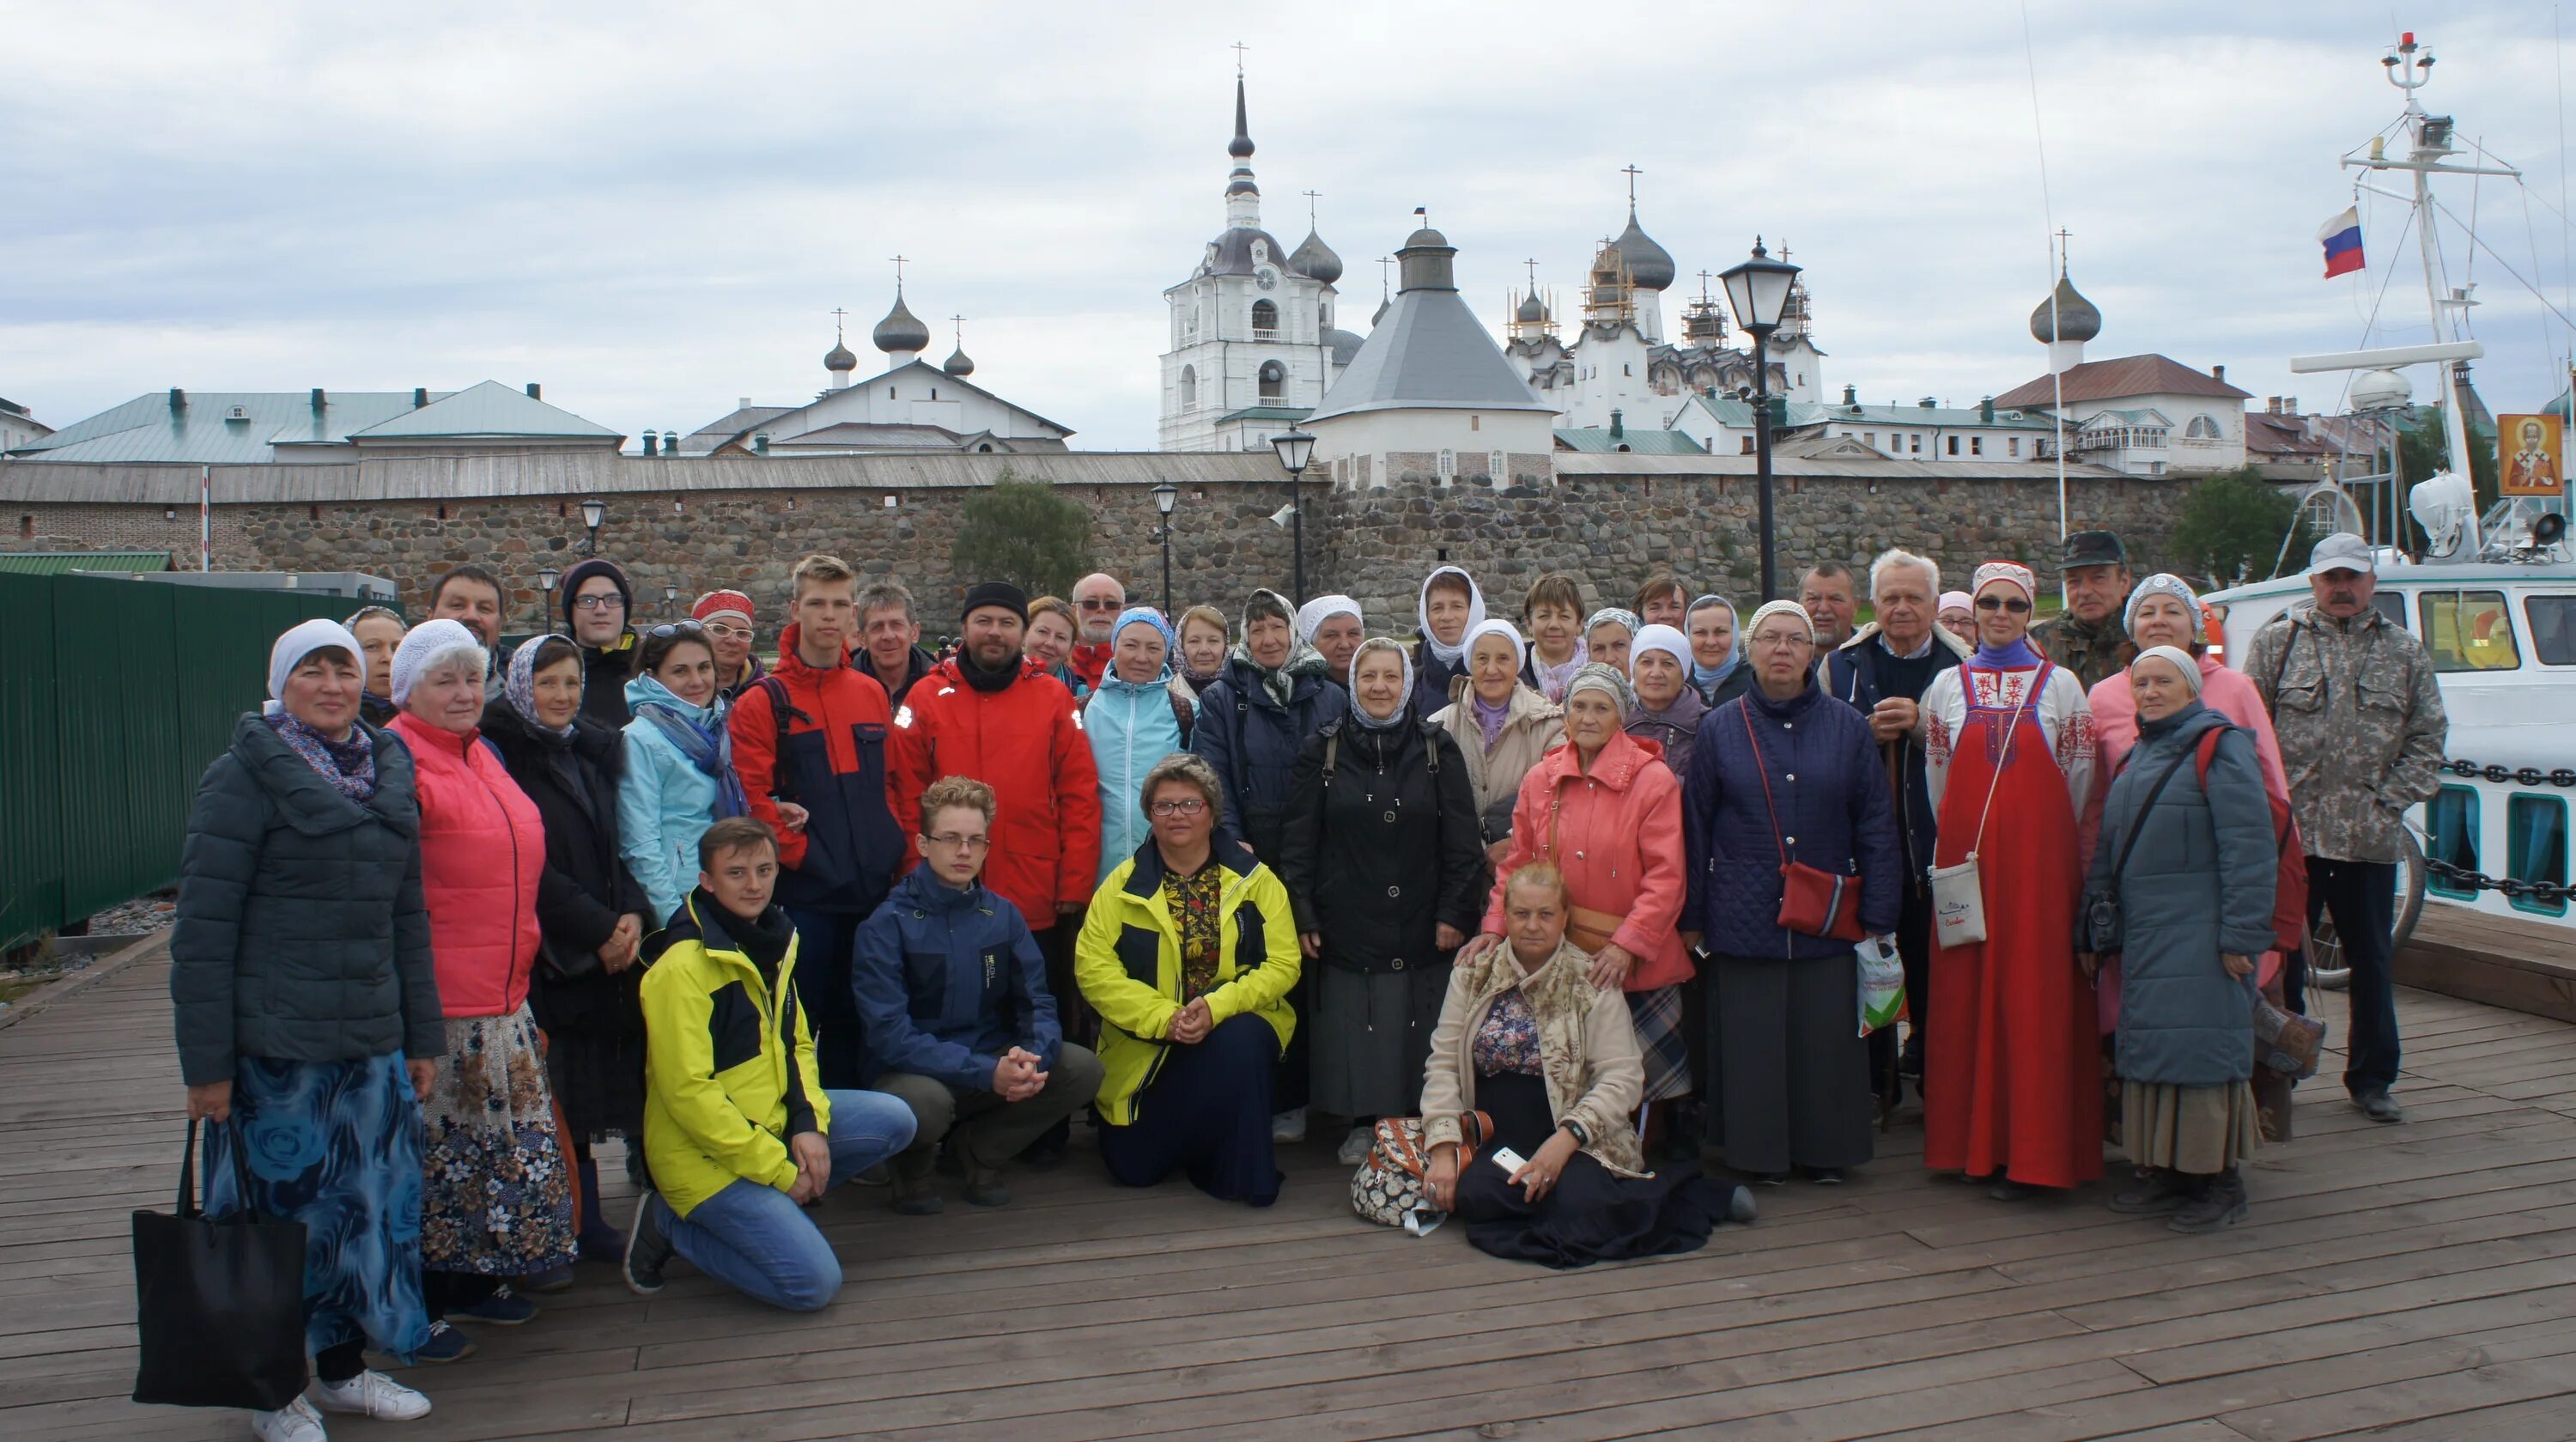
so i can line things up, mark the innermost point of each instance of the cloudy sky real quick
(652, 208)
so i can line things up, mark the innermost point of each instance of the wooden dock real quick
(2509, 961)
(2414, 1282)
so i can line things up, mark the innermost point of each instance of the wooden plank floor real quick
(2404, 1282)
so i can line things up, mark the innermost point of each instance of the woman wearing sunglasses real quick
(2012, 1066)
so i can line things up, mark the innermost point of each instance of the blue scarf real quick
(1707, 679)
(709, 751)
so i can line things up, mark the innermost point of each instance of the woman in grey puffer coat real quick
(2187, 861)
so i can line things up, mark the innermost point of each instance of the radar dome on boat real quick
(2446, 506)
(2380, 391)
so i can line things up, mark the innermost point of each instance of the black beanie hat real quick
(995, 593)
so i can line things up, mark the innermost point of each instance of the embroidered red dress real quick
(2012, 1061)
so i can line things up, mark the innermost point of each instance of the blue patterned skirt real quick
(497, 1197)
(335, 1145)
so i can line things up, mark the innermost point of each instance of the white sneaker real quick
(1355, 1147)
(294, 1422)
(1288, 1126)
(369, 1394)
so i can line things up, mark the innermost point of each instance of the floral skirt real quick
(334, 1145)
(496, 1199)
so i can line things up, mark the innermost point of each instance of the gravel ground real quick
(142, 916)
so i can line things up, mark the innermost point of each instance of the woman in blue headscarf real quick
(1717, 656)
(1134, 720)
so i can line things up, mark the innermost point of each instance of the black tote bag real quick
(219, 1303)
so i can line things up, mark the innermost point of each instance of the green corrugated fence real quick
(114, 695)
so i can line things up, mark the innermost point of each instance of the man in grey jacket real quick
(2361, 726)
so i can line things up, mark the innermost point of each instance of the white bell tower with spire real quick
(1253, 346)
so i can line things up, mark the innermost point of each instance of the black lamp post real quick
(1758, 288)
(670, 596)
(593, 511)
(1295, 449)
(1166, 496)
(546, 580)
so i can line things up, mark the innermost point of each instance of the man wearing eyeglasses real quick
(597, 602)
(1097, 600)
(2087, 638)
(727, 617)
(960, 1023)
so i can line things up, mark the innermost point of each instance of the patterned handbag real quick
(1387, 1189)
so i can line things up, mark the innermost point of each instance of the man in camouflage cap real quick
(2361, 726)
(2087, 637)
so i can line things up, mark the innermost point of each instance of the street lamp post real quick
(593, 511)
(1758, 288)
(1166, 496)
(670, 596)
(546, 580)
(1295, 449)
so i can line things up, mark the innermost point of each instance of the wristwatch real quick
(1582, 1134)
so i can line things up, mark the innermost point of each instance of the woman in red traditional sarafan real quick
(2012, 1065)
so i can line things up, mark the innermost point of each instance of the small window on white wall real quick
(1498, 467)
(2202, 428)
(1189, 387)
(1448, 466)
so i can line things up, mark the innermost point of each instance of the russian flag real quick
(2341, 237)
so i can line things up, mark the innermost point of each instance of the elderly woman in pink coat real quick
(2162, 611)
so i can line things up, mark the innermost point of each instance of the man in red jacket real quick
(987, 714)
(814, 732)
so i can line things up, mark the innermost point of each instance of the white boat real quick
(2493, 598)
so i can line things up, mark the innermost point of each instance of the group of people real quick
(1583, 893)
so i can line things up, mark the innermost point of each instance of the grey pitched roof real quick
(1428, 352)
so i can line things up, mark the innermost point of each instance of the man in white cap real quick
(2360, 720)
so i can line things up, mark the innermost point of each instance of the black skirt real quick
(594, 1030)
(1592, 1214)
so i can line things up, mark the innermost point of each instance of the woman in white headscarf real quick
(308, 1019)
(1450, 606)
(1333, 626)
(1384, 865)
(1501, 725)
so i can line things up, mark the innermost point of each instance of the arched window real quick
(1265, 320)
(1323, 318)
(1274, 378)
(1189, 388)
(2202, 428)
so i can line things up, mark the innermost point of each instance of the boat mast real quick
(2410, 71)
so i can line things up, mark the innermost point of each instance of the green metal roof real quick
(276, 425)
(60, 563)
(1639, 442)
(488, 409)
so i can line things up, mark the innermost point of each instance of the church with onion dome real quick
(1614, 359)
(1253, 344)
(910, 408)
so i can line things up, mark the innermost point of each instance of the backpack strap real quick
(782, 711)
(1184, 714)
(1332, 753)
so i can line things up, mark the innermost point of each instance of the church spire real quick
(1242, 196)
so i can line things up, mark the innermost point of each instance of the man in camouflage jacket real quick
(2087, 638)
(2360, 720)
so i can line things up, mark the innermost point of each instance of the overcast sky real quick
(652, 208)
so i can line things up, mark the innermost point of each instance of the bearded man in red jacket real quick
(988, 714)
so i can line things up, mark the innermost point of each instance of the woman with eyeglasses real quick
(727, 617)
(679, 776)
(2012, 1063)
(590, 911)
(1188, 953)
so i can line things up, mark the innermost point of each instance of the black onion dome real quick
(2075, 318)
(901, 330)
(1315, 259)
(1650, 266)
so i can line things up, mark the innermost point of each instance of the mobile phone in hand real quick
(1510, 1161)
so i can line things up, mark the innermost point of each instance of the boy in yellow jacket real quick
(738, 1129)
